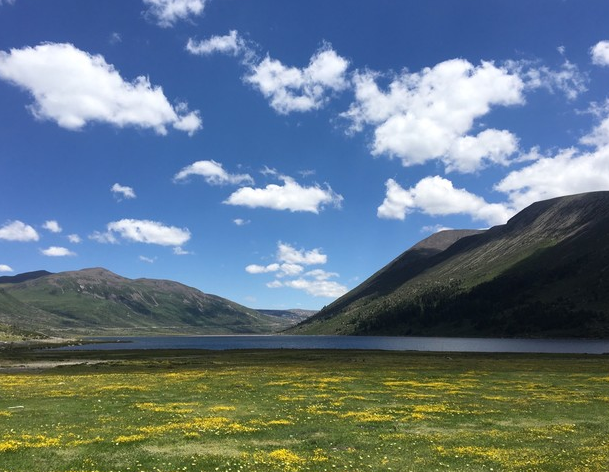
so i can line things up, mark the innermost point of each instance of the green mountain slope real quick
(544, 273)
(294, 315)
(97, 301)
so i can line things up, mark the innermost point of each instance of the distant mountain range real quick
(97, 301)
(543, 274)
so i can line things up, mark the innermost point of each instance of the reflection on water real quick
(387, 343)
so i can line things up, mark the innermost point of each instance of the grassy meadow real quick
(299, 411)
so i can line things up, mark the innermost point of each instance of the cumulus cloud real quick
(600, 53)
(178, 251)
(281, 270)
(231, 44)
(468, 153)
(291, 255)
(424, 115)
(316, 288)
(143, 231)
(565, 172)
(259, 269)
(568, 172)
(437, 196)
(320, 274)
(105, 237)
(241, 222)
(289, 196)
(290, 89)
(168, 12)
(52, 226)
(74, 238)
(213, 173)
(56, 251)
(18, 231)
(73, 88)
(6, 268)
(122, 191)
(290, 263)
(567, 79)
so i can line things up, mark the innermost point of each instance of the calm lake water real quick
(386, 343)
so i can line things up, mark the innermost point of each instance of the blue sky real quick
(279, 153)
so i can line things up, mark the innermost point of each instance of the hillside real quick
(294, 315)
(97, 301)
(542, 274)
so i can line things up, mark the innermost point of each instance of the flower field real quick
(308, 411)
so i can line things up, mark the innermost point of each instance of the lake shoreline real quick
(329, 342)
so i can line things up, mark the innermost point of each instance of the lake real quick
(386, 343)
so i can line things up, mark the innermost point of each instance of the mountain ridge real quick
(98, 301)
(555, 251)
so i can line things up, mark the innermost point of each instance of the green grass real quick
(304, 411)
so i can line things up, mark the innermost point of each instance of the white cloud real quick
(291, 255)
(316, 288)
(290, 196)
(241, 222)
(73, 88)
(600, 53)
(434, 228)
(55, 251)
(213, 173)
(178, 251)
(74, 238)
(149, 260)
(423, 116)
(567, 79)
(150, 232)
(281, 270)
(6, 268)
(599, 136)
(122, 191)
(104, 238)
(115, 38)
(229, 44)
(269, 171)
(258, 269)
(168, 12)
(52, 226)
(290, 269)
(437, 196)
(290, 263)
(18, 231)
(467, 153)
(143, 231)
(320, 274)
(568, 172)
(292, 89)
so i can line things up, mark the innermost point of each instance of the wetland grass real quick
(303, 411)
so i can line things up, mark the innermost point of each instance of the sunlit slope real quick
(544, 273)
(98, 301)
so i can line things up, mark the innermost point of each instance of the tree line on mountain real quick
(513, 304)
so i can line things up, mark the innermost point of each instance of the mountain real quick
(294, 315)
(15, 279)
(543, 274)
(97, 301)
